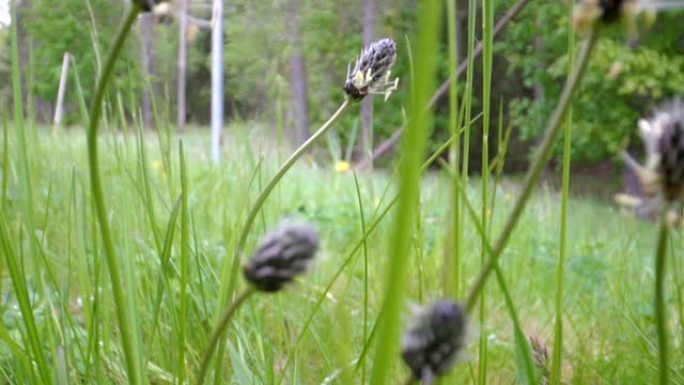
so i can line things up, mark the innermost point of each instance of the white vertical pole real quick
(217, 81)
(59, 107)
(182, 63)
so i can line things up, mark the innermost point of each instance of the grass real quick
(609, 332)
(128, 280)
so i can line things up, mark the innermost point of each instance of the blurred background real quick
(285, 62)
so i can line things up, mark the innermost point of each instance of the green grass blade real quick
(128, 329)
(164, 262)
(557, 356)
(185, 265)
(453, 254)
(541, 158)
(362, 220)
(24, 165)
(413, 147)
(659, 302)
(5, 162)
(147, 188)
(526, 367)
(487, 57)
(21, 290)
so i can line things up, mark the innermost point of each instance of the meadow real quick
(316, 331)
(132, 256)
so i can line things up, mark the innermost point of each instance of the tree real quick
(147, 28)
(623, 81)
(298, 79)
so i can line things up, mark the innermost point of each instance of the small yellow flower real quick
(157, 165)
(342, 166)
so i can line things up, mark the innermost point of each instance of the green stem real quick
(557, 356)
(453, 260)
(660, 315)
(258, 204)
(410, 380)
(487, 53)
(541, 159)
(127, 327)
(218, 331)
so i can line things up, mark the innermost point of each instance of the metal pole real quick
(217, 81)
(182, 63)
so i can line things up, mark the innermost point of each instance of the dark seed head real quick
(433, 343)
(590, 12)
(281, 256)
(611, 10)
(670, 147)
(148, 5)
(372, 69)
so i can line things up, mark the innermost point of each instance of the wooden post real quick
(59, 106)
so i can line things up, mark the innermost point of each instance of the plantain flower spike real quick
(371, 73)
(282, 255)
(436, 339)
(606, 12)
(663, 137)
(662, 175)
(150, 5)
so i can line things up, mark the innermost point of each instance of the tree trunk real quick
(147, 30)
(367, 103)
(299, 82)
(182, 63)
(21, 11)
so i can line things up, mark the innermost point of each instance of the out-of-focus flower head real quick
(435, 340)
(282, 255)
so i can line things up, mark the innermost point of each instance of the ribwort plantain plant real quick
(280, 258)
(662, 178)
(370, 76)
(432, 345)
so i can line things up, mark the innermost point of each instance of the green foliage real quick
(67, 26)
(621, 84)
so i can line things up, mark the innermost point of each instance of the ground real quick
(316, 330)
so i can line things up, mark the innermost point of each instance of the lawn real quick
(320, 328)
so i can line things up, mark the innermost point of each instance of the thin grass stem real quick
(185, 265)
(541, 158)
(487, 61)
(218, 330)
(660, 311)
(557, 355)
(259, 203)
(129, 334)
(362, 219)
(452, 263)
